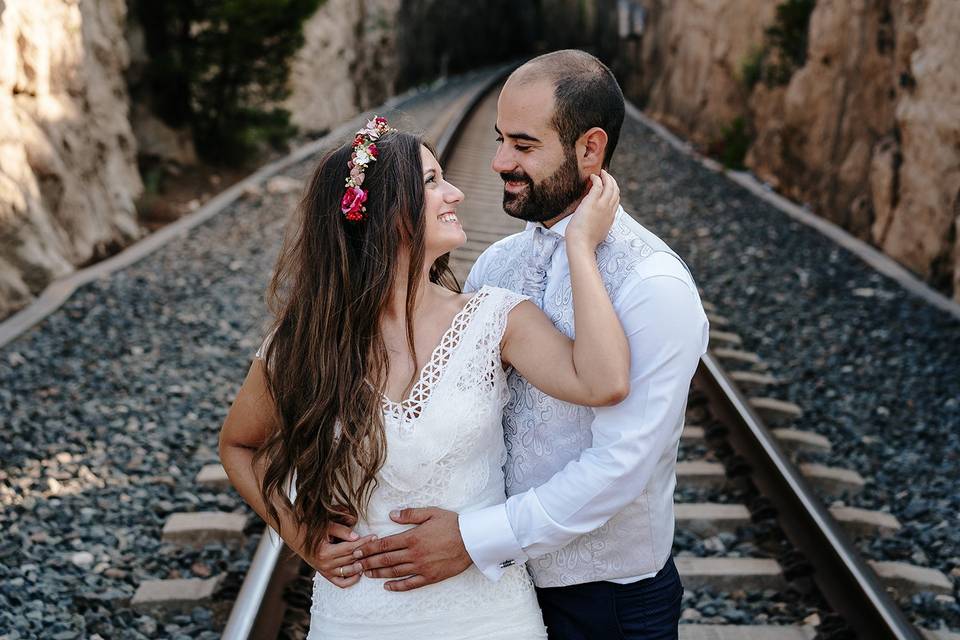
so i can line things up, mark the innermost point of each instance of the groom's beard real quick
(549, 198)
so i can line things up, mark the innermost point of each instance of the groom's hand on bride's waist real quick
(430, 552)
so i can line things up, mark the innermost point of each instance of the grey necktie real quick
(545, 242)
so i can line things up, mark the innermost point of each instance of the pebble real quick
(82, 559)
(690, 615)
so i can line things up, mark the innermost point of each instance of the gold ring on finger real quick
(340, 571)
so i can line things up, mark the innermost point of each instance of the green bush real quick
(784, 48)
(731, 146)
(752, 70)
(221, 67)
(788, 34)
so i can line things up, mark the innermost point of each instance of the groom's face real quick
(541, 179)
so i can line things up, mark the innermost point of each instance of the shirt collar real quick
(561, 227)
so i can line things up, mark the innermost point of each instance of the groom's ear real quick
(591, 147)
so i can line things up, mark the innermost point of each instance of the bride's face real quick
(443, 232)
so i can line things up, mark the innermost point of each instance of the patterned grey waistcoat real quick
(543, 434)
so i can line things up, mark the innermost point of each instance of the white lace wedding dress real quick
(445, 448)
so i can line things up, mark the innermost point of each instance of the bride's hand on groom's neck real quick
(430, 552)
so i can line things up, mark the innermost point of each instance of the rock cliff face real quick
(917, 208)
(348, 62)
(867, 130)
(688, 70)
(68, 174)
(68, 158)
(359, 52)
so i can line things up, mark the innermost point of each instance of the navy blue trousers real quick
(644, 610)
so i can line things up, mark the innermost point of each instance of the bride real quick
(381, 386)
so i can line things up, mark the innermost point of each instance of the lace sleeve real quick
(506, 301)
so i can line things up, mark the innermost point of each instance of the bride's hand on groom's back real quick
(334, 559)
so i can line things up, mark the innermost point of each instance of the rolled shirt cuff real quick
(490, 541)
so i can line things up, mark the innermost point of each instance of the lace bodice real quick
(445, 448)
(444, 441)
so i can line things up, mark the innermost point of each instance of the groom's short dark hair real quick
(586, 95)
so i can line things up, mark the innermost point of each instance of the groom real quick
(591, 490)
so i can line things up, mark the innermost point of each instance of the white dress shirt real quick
(625, 451)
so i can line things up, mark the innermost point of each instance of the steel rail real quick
(849, 585)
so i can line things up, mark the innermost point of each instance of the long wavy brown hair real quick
(327, 363)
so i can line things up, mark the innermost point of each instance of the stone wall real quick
(348, 62)
(867, 130)
(68, 159)
(68, 174)
(686, 68)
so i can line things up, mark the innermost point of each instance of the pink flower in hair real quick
(371, 131)
(352, 203)
(364, 152)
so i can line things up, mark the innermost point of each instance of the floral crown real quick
(364, 152)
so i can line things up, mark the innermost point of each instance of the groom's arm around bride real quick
(665, 328)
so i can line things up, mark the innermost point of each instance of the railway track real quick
(738, 477)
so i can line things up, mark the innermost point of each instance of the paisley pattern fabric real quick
(543, 433)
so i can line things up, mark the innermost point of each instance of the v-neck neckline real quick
(411, 407)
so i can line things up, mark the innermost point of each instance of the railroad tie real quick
(739, 356)
(214, 477)
(753, 380)
(745, 632)
(165, 597)
(790, 439)
(865, 522)
(796, 440)
(198, 528)
(730, 574)
(708, 307)
(700, 474)
(696, 414)
(709, 518)
(774, 411)
(909, 579)
(727, 337)
(284, 185)
(833, 481)
(717, 320)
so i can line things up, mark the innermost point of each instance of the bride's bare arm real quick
(243, 432)
(594, 369)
